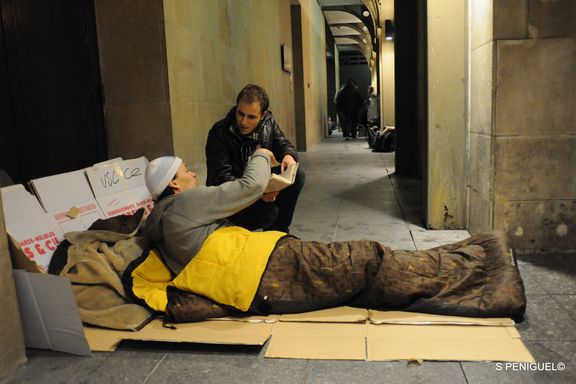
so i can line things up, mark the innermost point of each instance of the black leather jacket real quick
(227, 151)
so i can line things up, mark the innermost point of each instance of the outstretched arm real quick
(209, 204)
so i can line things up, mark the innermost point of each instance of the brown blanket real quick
(475, 277)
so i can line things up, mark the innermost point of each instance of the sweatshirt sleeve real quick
(205, 205)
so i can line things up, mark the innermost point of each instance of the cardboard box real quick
(69, 199)
(36, 232)
(119, 187)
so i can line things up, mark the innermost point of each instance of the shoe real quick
(347, 139)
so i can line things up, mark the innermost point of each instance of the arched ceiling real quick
(353, 23)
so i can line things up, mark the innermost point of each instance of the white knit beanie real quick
(159, 173)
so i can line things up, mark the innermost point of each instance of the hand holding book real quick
(288, 167)
(283, 180)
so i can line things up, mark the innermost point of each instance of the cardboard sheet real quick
(324, 341)
(208, 332)
(445, 342)
(50, 318)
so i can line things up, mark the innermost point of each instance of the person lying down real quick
(202, 266)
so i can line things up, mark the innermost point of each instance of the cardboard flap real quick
(399, 317)
(19, 259)
(69, 199)
(115, 177)
(63, 190)
(126, 202)
(49, 314)
(19, 204)
(38, 238)
(35, 332)
(120, 187)
(325, 341)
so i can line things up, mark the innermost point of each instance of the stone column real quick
(523, 123)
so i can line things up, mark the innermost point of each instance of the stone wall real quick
(214, 48)
(314, 63)
(480, 170)
(172, 68)
(132, 49)
(447, 100)
(523, 124)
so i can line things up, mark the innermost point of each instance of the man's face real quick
(248, 115)
(185, 179)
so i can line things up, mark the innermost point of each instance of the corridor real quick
(350, 193)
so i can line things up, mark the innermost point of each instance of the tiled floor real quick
(350, 193)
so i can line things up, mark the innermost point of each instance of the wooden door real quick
(51, 110)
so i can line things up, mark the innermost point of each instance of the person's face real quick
(248, 115)
(185, 179)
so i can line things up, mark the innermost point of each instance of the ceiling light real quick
(365, 13)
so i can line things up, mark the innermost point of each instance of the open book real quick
(283, 180)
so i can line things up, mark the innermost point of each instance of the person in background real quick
(348, 106)
(372, 114)
(231, 141)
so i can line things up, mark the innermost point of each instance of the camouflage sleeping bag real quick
(475, 277)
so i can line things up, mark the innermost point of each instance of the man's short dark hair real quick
(252, 93)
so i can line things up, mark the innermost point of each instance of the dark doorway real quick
(50, 105)
(299, 105)
(411, 107)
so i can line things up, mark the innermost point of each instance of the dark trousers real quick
(273, 216)
(349, 122)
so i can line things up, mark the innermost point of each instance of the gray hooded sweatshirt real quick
(179, 224)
